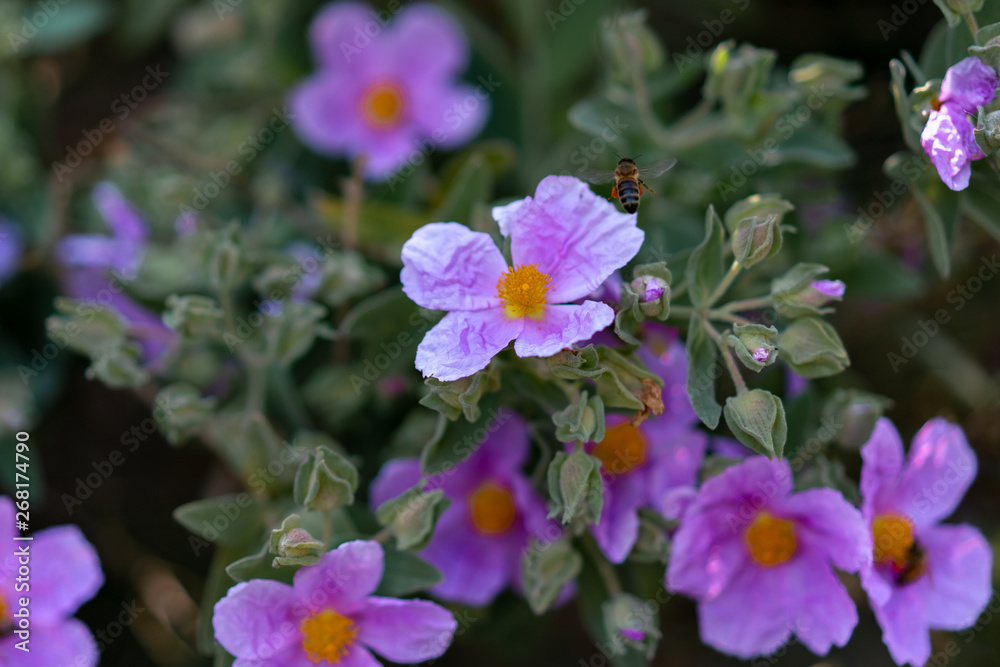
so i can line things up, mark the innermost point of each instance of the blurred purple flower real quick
(11, 249)
(387, 94)
(329, 616)
(565, 242)
(641, 467)
(795, 384)
(759, 560)
(494, 512)
(834, 289)
(947, 138)
(665, 355)
(65, 573)
(924, 575)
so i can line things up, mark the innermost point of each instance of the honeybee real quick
(916, 563)
(628, 187)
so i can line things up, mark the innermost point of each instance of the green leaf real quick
(901, 99)
(406, 573)
(66, 24)
(259, 566)
(546, 567)
(228, 519)
(461, 397)
(940, 208)
(705, 268)
(472, 184)
(703, 370)
(412, 516)
(981, 202)
(455, 441)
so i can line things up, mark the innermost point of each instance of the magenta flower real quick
(329, 616)
(642, 466)
(494, 512)
(564, 243)
(65, 573)
(924, 575)
(665, 355)
(122, 251)
(831, 289)
(11, 249)
(386, 91)
(947, 138)
(759, 560)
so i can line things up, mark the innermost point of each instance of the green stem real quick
(734, 371)
(604, 568)
(256, 388)
(642, 103)
(727, 280)
(383, 535)
(685, 312)
(354, 189)
(746, 304)
(970, 20)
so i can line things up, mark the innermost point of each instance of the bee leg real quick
(643, 185)
(614, 192)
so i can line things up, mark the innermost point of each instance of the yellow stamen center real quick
(383, 104)
(523, 291)
(770, 540)
(623, 448)
(492, 509)
(892, 536)
(327, 636)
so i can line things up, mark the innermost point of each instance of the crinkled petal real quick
(969, 83)
(939, 469)
(618, 527)
(67, 643)
(346, 575)
(904, 628)
(324, 113)
(958, 575)
(65, 573)
(506, 215)
(949, 142)
(405, 631)
(749, 616)
(421, 25)
(334, 30)
(257, 619)
(396, 476)
(574, 236)
(830, 525)
(561, 326)
(464, 342)
(882, 458)
(475, 567)
(447, 266)
(123, 220)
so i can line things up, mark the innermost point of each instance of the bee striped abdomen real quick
(628, 194)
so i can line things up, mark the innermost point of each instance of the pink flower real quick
(924, 575)
(65, 573)
(759, 559)
(479, 540)
(386, 90)
(564, 243)
(329, 616)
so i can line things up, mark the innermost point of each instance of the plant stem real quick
(970, 20)
(745, 304)
(290, 399)
(256, 388)
(354, 189)
(727, 280)
(604, 568)
(734, 371)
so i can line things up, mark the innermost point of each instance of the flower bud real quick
(180, 411)
(291, 333)
(854, 414)
(737, 75)
(652, 544)
(756, 239)
(832, 75)
(193, 316)
(325, 480)
(753, 345)
(650, 291)
(987, 131)
(762, 206)
(575, 487)
(293, 545)
(799, 292)
(546, 567)
(117, 365)
(953, 10)
(582, 420)
(84, 327)
(812, 348)
(757, 419)
(412, 516)
(227, 264)
(628, 42)
(462, 396)
(629, 622)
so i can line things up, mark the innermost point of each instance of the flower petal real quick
(618, 527)
(322, 114)
(405, 631)
(939, 469)
(958, 575)
(883, 462)
(450, 114)
(447, 266)
(421, 25)
(574, 236)
(123, 220)
(257, 619)
(506, 215)
(396, 476)
(818, 605)
(969, 83)
(475, 567)
(949, 142)
(904, 628)
(676, 454)
(97, 251)
(65, 573)
(294, 655)
(830, 525)
(505, 448)
(334, 30)
(68, 642)
(464, 342)
(8, 529)
(706, 554)
(561, 326)
(346, 575)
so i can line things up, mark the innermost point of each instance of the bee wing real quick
(596, 175)
(656, 168)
